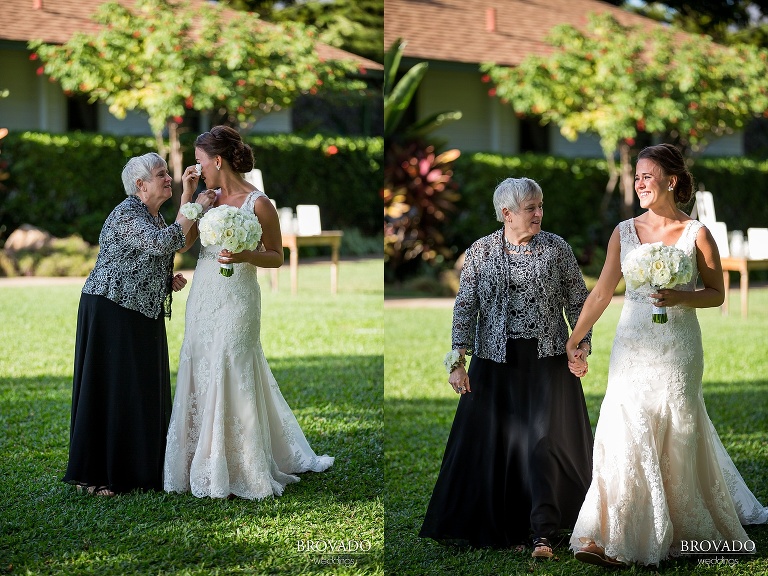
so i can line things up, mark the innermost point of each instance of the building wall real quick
(33, 102)
(485, 124)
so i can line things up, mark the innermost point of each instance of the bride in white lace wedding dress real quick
(661, 475)
(231, 430)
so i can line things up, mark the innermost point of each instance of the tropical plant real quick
(419, 195)
(418, 191)
(660, 81)
(166, 58)
(398, 96)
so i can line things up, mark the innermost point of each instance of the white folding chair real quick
(308, 217)
(758, 243)
(255, 178)
(704, 209)
(720, 233)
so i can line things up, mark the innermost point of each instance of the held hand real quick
(206, 199)
(189, 180)
(574, 353)
(459, 381)
(579, 368)
(178, 282)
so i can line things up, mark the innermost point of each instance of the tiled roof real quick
(474, 31)
(54, 21)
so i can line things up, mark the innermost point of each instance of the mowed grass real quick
(325, 352)
(420, 405)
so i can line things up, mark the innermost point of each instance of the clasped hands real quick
(577, 361)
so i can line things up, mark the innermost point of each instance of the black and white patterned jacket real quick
(135, 261)
(481, 312)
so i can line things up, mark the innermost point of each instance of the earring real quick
(218, 167)
(671, 188)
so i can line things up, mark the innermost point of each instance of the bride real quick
(231, 431)
(661, 478)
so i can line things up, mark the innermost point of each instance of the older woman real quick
(518, 459)
(121, 393)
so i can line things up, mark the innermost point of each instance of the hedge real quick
(68, 183)
(573, 191)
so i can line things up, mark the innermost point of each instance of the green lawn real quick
(326, 353)
(419, 408)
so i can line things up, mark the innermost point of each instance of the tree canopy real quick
(168, 58)
(684, 87)
(356, 26)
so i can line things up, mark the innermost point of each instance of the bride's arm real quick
(711, 272)
(271, 256)
(600, 297)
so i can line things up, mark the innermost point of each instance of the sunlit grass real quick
(326, 354)
(420, 405)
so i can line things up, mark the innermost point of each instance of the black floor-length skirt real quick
(518, 460)
(121, 398)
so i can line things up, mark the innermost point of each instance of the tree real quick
(683, 87)
(356, 26)
(725, 21)
(166, 58)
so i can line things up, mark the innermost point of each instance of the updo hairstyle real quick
(226, 142)
(512, 192)
(671, 162)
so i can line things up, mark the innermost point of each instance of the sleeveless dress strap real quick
(250, 200)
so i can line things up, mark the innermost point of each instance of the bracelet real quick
(192, 211)
(453, 360)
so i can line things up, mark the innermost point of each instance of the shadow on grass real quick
(416, 432)
(48, 527)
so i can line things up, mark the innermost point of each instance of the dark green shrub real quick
(573, 192)
(67, 184)
(573, 189)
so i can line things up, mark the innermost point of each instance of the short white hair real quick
(512, 192)
(141, 168)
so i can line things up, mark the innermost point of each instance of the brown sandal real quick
(542, 548)
(95, 490)
(594, 554)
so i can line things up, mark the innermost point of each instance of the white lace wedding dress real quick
(231, 430)
(660, 474)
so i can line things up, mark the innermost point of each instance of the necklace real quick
(515, 248)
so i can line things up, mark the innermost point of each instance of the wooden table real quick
(293, 242)
(742, 266)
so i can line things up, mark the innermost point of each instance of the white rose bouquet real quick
(232, 229)
(656, 266)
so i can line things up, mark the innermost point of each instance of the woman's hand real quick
(227, 257)
(189, 181)
(206, 199)
(577, 360)
(178, 282)
(578, 368)
(459, 381)
(668, 297)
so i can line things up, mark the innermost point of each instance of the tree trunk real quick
(627, 182)
(176, 163)
(613, 178)
(172, 154)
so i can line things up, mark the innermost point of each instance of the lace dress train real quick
(231, 430)
(660, 474)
